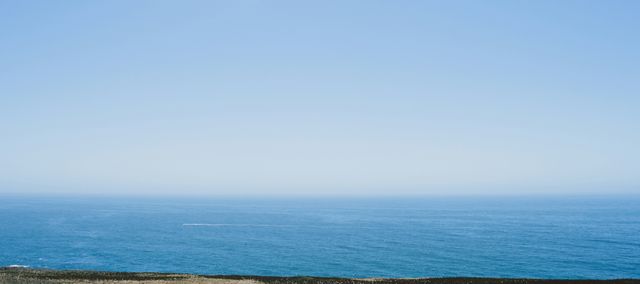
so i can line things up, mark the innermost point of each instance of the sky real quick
(319, 97)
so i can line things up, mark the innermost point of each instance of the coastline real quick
(17, 275)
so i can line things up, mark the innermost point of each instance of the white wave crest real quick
(234, 225)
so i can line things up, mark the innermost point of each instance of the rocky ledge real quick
(16, 275)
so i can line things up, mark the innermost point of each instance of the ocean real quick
(535, 236)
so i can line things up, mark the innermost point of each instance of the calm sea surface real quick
(559, 237)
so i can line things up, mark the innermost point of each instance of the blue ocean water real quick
(542, 237)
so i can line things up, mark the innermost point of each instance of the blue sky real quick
(319, 97)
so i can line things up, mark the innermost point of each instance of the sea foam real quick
(235, 225)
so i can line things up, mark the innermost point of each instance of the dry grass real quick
(37, 276)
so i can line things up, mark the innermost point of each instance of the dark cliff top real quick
(27, 274)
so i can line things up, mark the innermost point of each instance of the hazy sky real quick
(319, 97)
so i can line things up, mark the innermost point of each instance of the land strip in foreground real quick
(45, 276)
